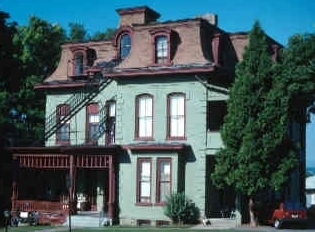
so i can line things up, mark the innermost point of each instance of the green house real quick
(133, 119)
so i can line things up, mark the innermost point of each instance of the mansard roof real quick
(198, 46)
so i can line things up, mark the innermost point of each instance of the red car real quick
(288, 212)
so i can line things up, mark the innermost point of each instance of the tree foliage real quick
(40, 52)
(77, 33)
(28, 54)
(107, 35)
(258, 152)
(9, 64)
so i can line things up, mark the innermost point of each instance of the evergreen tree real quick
(257, 154)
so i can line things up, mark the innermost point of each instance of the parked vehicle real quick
(30, 218)
(283, 213)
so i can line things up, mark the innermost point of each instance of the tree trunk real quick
(252, 217)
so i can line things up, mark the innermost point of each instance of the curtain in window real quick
(165, 180)
(177, 115)
(145, 181)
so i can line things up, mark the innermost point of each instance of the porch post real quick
(72, 197)
(111, 194)
(14, 196)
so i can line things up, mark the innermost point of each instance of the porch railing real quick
(40, 206)
(48, 212)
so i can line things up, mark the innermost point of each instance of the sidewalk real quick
(217, 223)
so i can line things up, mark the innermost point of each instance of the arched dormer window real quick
(125, 46)
(123, 40)
(161, 44)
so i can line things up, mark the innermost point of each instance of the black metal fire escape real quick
(76, 102)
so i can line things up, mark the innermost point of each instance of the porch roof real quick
(82, 149)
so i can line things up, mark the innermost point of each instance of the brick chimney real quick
(210, 17)
(137, 15)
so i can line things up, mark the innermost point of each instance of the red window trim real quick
(168, 129)
(154, 34)
(75, 51)
(136, 136)
(139, 162)
(66, 109)
(118, 35)
(158, 177)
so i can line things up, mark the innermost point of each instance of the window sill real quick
(144, 139)
(168, 63)
(143, 204)
(176, 138)
(159, 204)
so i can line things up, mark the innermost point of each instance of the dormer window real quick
(122, 41)
(161, 49)
(125, 46)
(82, 58)
(161, 45)
(78, 63)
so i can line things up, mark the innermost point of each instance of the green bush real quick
(180, 209)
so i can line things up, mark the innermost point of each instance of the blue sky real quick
(279, 18)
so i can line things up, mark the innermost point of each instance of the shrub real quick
(180, 209)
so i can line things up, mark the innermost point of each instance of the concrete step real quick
(87, 220)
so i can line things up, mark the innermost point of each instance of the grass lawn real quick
(109, 229)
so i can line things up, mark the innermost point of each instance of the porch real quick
(67, 173)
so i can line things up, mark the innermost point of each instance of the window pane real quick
(93, 132)
(216, 113)
(165, 171)
(63, 132)
(125, 46)
(94, 118)
(145, 117)
(78, 64)
(145, 189)
(112, 109)
(146, 171)
(145, 181)
(164, 184)
(165, 190)
(161, 50)
(177, 115)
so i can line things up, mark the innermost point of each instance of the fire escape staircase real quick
(102, 123)
(76, 102)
